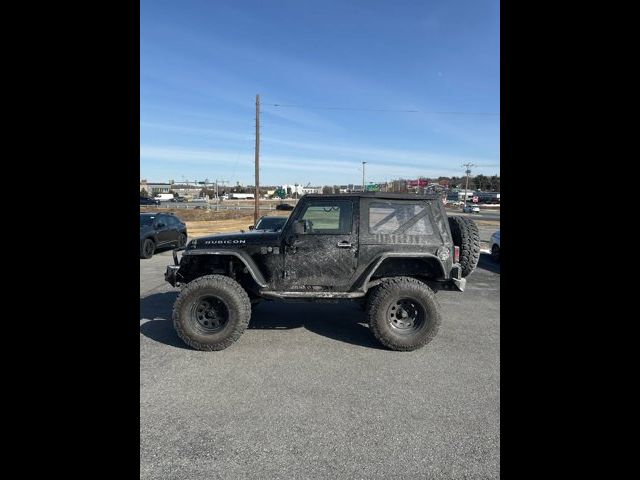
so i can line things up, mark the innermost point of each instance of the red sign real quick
(421, 182)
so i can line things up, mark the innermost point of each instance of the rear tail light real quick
(456, 254)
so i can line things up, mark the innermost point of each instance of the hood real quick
(236, 239)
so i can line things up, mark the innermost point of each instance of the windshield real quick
(271, 223)
(146, 220)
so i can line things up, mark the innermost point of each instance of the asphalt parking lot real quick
(308, 393)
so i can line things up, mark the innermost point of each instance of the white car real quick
(495, 246)
(471, 208)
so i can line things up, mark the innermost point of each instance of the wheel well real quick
(419, 267)
(228, 265)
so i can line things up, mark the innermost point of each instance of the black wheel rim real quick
(148, 248)
(406, 316)
(209, 315)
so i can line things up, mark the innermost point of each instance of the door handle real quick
(344, 244)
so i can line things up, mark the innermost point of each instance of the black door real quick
(173, 225)
(325, 256)
(163, 230)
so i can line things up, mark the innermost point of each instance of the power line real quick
(363, 109)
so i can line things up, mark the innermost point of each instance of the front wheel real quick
(211, 312)
(403, 314)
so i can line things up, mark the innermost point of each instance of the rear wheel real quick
(147, 249)
(467, 237)
(403, 313)
(211, 312)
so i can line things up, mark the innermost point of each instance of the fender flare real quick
(373, 266)
(248, 262)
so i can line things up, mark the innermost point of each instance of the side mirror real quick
(251, 227)
(160, 225)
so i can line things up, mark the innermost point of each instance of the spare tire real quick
(467, 237)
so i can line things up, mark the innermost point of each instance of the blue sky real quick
(203, 62)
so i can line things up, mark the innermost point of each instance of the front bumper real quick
(171, 274)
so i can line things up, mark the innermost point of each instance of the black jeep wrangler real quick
(390, 252)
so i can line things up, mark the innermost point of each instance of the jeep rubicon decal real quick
(210, 242)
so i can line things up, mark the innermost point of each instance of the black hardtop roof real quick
(386, 195)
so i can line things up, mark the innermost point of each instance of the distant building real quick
(306, 190)
(155, 188)
(186, 190)
(292, 189)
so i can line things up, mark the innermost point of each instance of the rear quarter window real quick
(399, 218)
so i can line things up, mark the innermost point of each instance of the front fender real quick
(248, 262)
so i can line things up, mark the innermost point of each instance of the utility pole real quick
(363, 163)
(217, 196)
(467, 171)
(256, 212)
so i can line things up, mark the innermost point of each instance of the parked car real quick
(471, 208)
(495, 246)
(160, 230)
(149, 201)
(284, 206)
(273, 224)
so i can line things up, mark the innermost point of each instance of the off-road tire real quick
(474, 234)
(148, 248)
(389, 293)
(227, 291)
(466, 236)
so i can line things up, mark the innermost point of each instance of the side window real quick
(394, 218)
(171, 221)
(329, 217)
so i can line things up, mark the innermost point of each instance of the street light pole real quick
(256, 212)
(363, 164)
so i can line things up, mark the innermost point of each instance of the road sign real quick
(372, 187)
(421, 182)
(474, 199)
